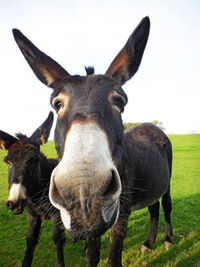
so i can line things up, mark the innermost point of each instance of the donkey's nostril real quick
(9, 205)
(55, 196)
(113, 188)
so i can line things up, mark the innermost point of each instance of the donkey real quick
(29, 178)
(103, 173)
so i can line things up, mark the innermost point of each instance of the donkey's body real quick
(145, 146)
(38, 202)
(29, 179)
(103, 173)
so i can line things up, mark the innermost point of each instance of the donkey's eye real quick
(118, 102)
(57, 104)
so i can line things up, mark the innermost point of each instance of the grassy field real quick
(185, 192)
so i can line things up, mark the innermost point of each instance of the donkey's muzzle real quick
(16, 207)
(88, 206)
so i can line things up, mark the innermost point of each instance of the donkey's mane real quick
(89, 70)
(21, 136)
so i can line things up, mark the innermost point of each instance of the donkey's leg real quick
(34, 223)
(117, 235)
(59, 239)
(92, 251)
(153, 227)
(167, 207)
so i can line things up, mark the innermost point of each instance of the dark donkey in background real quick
(103, 173)
(29, 178)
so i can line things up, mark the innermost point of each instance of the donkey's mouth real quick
(79, 231)
(17, 211)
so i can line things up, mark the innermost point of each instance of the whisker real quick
(133, 187)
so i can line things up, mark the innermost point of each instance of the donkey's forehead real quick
(86, 84)
(21, 147)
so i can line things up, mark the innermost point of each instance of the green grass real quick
(185, 192)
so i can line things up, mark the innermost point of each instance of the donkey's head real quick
(23, 159)
(85, 186)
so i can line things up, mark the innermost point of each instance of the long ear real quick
(44, 67)
(6, 140)
(127, 62)
(41, 135)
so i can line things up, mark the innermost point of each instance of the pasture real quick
(185, 193)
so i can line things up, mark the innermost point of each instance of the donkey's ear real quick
(6, 140)
(127, 62)
(41, 135)
(44, 67)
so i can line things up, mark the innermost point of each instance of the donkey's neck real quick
(47, 166)
(40, 185)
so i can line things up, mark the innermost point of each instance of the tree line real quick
(128, 125)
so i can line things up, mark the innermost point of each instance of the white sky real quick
(78, 33)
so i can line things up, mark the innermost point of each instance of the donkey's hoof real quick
(145, 249)
(168, 245)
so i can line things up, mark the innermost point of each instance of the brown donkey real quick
(103, 173)
(29, 178)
